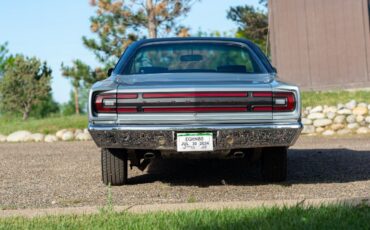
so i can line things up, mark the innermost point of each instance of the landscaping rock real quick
(339, 119)
(360, 119)
(67, 136)
(351, 104)
(367, 119)
(306, 121)
(359, 111)
(19, 136)
(38, 137)
(50, 138)
(60, 133)
(353, 126)
(344, 111)
(314, 116)
(330, 115)
(83, 137)
(336, 127)
(78, 131)
(328, 133)
(344, 132)
(351, 119)
(362, 130)
(308, 129)
(319, 130)
(317, 109)
(331, 109)
(322, 122)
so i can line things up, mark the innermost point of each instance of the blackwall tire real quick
(114, 166)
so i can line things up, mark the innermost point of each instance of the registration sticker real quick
(192, 142)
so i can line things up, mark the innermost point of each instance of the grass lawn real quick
(46, 125)
(329, 217)
(313, 98)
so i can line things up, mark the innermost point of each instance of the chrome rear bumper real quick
(226, 136)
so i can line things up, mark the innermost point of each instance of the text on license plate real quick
(190, 142)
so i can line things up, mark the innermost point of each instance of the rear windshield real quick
(179, 58)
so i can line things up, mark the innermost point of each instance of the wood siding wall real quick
(321, 44)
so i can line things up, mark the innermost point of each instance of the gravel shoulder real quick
(67, 174)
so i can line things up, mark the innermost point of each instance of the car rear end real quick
(225, 112)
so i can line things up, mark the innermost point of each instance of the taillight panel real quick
(195, 102)
(110, 103)
(281, 102)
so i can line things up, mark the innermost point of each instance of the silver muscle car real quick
(193, 98)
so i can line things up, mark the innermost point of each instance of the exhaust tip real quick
(149, 155)
(238, 154)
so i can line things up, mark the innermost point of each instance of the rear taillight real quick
(281, 102)
(105, 103)
(112, 103)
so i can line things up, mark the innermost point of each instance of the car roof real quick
(187, 39)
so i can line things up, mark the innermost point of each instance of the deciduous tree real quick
(24, 84)
(78, 73)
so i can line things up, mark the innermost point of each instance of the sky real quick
(51, 30)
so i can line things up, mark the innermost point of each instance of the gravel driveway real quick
(67, 174)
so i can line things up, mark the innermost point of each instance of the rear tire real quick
(114, 166)
(274, 164)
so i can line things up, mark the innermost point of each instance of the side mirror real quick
(110, 70)
(274, 69)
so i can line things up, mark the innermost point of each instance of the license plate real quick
(193, 142)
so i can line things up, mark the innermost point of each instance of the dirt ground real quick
(67, 174)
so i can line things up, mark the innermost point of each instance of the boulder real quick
(37, 137)
(317, 109)
(67, 136)
(83, 137)
(78, 131)
(331, 109)
(330, 115)
(314, 116)
(353, 126)
(328, 133)
(50, 138)
(351, 104)
(360, 118)
(306, 121)
(344, 132)
(362, 130)
(60, 133)
(345, 112)
(339, 119)
(367, 119)
(320, 130)
(19, 136)
(336, 127)
(322, 122)
(351, 119)
(308, 129)
(359, 111)
(2, 138)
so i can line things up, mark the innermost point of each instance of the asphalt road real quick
(66, 174)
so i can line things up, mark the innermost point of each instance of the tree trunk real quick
(26, 115)
(77, 104)
(152, 23)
